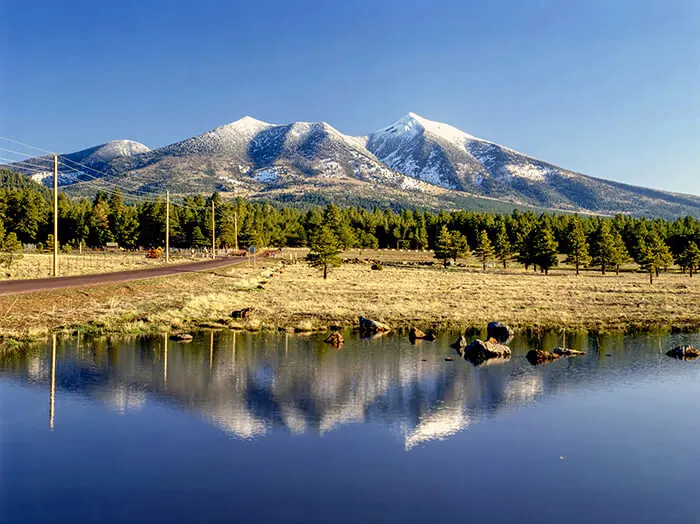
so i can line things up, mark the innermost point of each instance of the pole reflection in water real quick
(211, 350)
(52, 394)
(165, 359)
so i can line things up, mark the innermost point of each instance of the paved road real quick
(13, 287)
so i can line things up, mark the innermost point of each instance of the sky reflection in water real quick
(283, 428)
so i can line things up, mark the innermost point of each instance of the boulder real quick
(181, 337)
(415, 333)
(335, 339)
(566, 352)
(461, 343)
(243, 314)
(684, 352)
(499, 332)
(430, 335)
(538, 356)
(372, 327)
(479, 351)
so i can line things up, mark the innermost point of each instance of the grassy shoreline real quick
(289, 295)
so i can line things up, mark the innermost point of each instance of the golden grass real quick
(294, 296)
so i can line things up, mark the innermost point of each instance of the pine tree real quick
(545, 248)
(421, 235)
(603, 251)
(690, 258)
(578, 247)
(484, 249)
(653, 254)
(443, 246)
(198, 238)
(450, 245)
(503, 247)
(664, 258)
(646, 259)
(524, 246)
(325, 249)
(338, 224)
(621, 254)
(100, 232)
(10, 251)
(459, 246)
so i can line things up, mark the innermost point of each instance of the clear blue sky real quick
(608, 88)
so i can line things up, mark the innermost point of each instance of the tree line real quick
(534, 240)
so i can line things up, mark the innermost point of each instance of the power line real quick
(25, 145)
(19, 153)
(90, 183)
(135, 194)
(104, 175)
(24, 163)
(105, 180)
(67, 161)
(110, 192)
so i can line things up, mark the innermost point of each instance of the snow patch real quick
(116, 149)
(528, 171)
(231, 181)
(41, 177)
(266, 176)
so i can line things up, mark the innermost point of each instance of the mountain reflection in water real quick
(250, 385)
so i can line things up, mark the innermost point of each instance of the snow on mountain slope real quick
(444, 155)
(115, 149)
(106, 159)
(229, 139)
(318, 149)
(415, 159)
(250, 151)
(430, 151)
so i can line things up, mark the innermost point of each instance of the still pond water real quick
(278, 428)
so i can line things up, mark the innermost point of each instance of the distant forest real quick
(26, 210)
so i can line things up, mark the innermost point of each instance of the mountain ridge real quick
(410, 160)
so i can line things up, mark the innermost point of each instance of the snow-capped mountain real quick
(414, 161)
(446, 156)
(429, 151)
(111, 158)
(250, 155)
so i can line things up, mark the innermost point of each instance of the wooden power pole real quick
(167, 227)
(235, 225)
(55, 215)
(213, 232)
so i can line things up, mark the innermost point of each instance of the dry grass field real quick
(292, 295)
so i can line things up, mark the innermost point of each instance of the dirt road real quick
(14, 287)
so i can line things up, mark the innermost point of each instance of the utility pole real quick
(235, 225)
(167, 227)
(213, 232)
(55, 215)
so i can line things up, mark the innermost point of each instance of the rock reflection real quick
(249, 385)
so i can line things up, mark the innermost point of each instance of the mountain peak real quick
(249, 120)
(117, 148)
(414, 116)
(246, 127)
